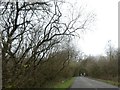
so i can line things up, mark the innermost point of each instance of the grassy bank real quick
(115, 83)
(65, 84)
(110, 82)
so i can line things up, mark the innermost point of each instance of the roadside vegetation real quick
(116, 83)
(65, 84)
(36, 42)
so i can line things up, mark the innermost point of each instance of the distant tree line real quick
(102, 67)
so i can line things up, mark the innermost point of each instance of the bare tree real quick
(110, 50)
(30, 30)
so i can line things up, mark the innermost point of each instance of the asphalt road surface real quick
(84, 82)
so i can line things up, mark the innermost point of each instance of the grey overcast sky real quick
(104, 29)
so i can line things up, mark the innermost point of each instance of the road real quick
(82, 82)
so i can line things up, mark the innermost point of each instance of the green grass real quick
(64, 85)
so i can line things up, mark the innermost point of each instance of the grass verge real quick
(115, 83)
(110, 82)
(64, 84)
